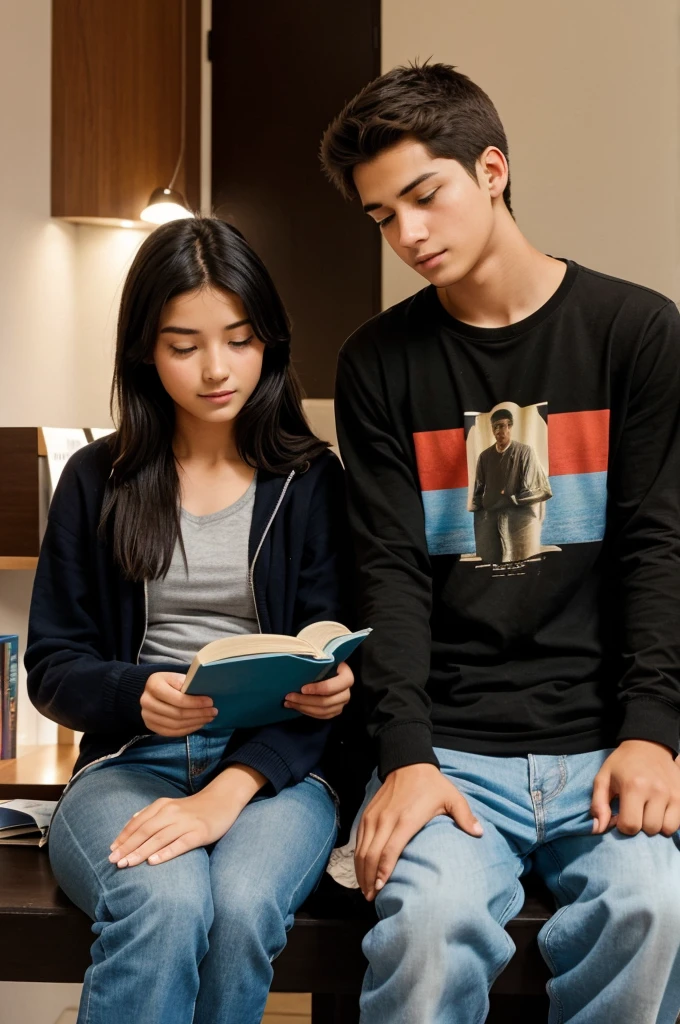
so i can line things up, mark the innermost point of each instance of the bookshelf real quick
(38, 772)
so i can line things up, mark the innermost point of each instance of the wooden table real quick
(38, 773)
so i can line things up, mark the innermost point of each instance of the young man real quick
(524, 713)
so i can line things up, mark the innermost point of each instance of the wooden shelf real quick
(38, 773)
(9, 562)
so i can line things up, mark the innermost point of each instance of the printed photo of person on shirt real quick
(509, 495)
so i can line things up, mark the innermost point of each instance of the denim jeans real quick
(613, 946)
(191, 939)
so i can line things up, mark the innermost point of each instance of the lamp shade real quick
(165, 204)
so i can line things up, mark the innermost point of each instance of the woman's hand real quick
(168, 712)
(167, 828)
(325, 699)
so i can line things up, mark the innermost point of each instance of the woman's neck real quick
(199, 442)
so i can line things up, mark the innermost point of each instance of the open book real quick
(249, 676)
(25, 822)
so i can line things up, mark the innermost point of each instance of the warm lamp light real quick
(165, 204)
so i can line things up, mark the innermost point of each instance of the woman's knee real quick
(249, 918)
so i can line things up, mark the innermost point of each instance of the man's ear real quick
(492, 171)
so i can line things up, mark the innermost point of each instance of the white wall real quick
(589, 93)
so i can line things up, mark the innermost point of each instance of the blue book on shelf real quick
(9, 680)
(249, 676)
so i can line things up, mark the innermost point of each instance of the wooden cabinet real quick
(116, 105)
(24, 494)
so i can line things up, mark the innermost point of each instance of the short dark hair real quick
(502, 414)
(431, 103)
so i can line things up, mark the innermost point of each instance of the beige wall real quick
(589, 92)
(58, 286)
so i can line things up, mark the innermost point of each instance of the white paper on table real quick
(61, 443)
(98, 432)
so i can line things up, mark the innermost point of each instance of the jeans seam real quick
(309, 870)
(503, 920)
(103, 891)
(306, 876)
(329, 839)
(571, 897)
(552, 965)
(563, 780)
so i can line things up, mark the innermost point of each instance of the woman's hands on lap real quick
(168, 712)
(325, 699)
(170, 827)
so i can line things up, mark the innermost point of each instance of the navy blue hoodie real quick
(87, 623)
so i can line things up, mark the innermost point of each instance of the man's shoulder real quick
(386, 331)
(606, 291)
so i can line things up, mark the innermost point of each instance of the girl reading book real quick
(212, 511)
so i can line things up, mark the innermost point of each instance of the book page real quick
(250, 643)
(61, 443)
(319, 633)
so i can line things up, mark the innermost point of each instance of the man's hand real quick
(325, 699)
(406, 801)
(646, 780)
(168, 828)
(168, 712)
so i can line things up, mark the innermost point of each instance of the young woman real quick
(213, 510)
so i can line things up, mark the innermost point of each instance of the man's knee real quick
(435, 916)
(643, 908)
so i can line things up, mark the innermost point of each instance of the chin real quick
(216, 415)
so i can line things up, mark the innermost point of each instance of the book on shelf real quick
(249, 676)
(9, 680)
(25, 822)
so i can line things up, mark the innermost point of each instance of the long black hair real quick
(271, 432)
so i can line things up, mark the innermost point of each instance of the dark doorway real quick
(281, 71)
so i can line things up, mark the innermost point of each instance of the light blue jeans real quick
(191, 939)
(613, 946)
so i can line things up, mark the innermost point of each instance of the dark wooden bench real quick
(45, 938)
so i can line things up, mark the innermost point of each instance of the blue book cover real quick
(9, 680)
(248, 689)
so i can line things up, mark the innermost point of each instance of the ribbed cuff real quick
(265, 760)
(124, 691)
(404, 744)
(653, 720)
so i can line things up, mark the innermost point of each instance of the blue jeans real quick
(191, 939)
(613, 946)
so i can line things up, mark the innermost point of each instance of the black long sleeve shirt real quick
(576, 645)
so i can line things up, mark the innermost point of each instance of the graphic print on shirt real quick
(514, 484)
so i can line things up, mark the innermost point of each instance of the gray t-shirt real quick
(214, 599)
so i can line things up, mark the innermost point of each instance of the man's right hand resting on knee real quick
(407, 800)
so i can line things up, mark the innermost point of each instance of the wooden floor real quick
(288, 1008)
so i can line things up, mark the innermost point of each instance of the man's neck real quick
(510, 282)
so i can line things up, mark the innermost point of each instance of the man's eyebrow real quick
(190, 330)
(369, 207)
